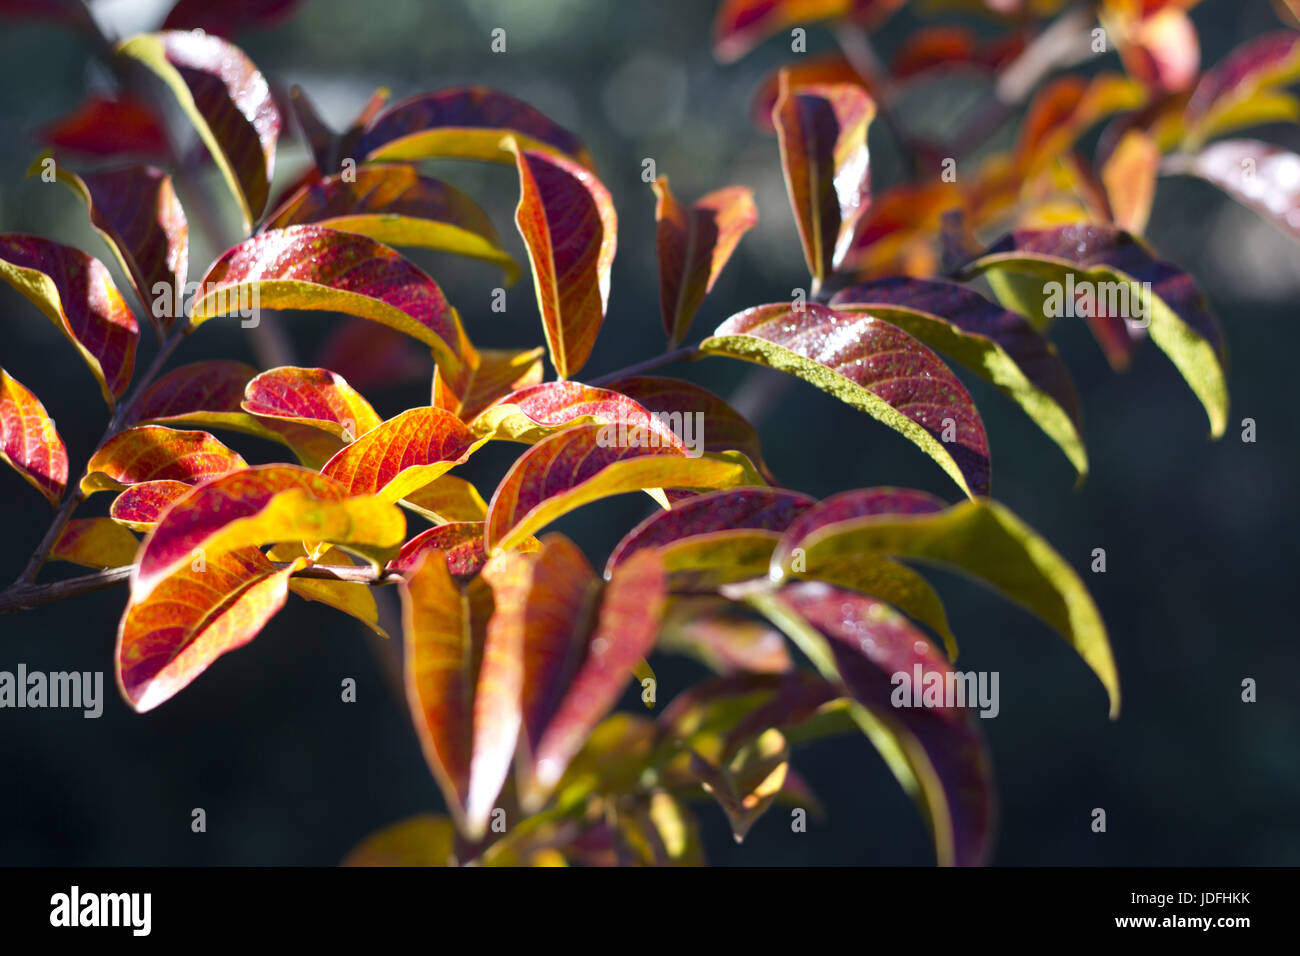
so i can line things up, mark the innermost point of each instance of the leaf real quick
(233, 16)
(1117, 269)
(468, 122)
(140, 507)
(447, 499)
(894, 583)
(1158, 47)
(153, 248)
(1066, 108)
(809, 70)
(1251, 70)
(499, 372)
(714, 632)
(173, 632)
(155, 453)
(109, 126)
(1129, 175)
(311, 267)
(29, 442)
(567, 221)
(874, 367)
(539, 411)
(746, 786)
(76, 292)
(311, 396)
(211, 394)
(445, 625)
(265, 504)
(763, 509)
(722, 428)
(984, 540)
(693, 244)
(935, 752)
(228, 101)
(395, 205)
(460, 544)
(1258, 175)
(95, 543)
(994, 343)
(352, 598)
(576, 467)
(424, 840)
(372, 356)
(822, 131)
(740, 25)
(403, 454)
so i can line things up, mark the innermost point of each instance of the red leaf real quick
(229, 17)
(568, 223)
(156, 453)
(29, 441)
(140, 507)
(311, 396)
(110, 127)
(740, 25)
(693, 245)
(461, 544)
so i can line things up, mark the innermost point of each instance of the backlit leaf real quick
(1129, 175)
(746, 785)
(311, 396)
(536, 412)
(29, 443)
(172, 633)
(404, 453)
(95, 543)
(467, 123)
(740, 25)
(873, 366)
(155, 453)
(395, 205)
(984, 540)
(1260, 176)
(567, 220)
(351, 597)
(445, 624)
(447, 499)
(266, 504)
(426, 840)
(996, 344)
(814, 69)
(584, 464)
(498, 373)
(228, 101)
(1252, 69)
(822, 131)
(140, 507)
(76, 292)
(693, 244)
(460, 543)
(110, 126)
(311, 267)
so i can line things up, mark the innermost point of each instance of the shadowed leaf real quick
(95, 543)
(395, 205)
(693, 244)
(76, 292)
(1251, 71)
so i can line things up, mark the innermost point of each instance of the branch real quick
(667, 358)
(20, 597)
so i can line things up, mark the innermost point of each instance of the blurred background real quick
(1200, 536)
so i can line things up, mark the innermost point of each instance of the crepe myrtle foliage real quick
(517, 646)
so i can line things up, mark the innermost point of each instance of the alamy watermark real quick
(75, 908)
(77, 690)
(176, 301)
(1084, 299)
(922, 688)
(655, 432)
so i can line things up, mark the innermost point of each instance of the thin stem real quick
(666, 358)
(74, 495)
(19, 597)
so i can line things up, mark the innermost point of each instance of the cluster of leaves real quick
(516, 650)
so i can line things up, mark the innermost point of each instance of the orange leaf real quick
(29, 441)
(156, 453)
(95, 543)
(311, 396)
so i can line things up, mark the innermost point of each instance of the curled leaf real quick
(228, 101)
(567, 220)
(76, 292)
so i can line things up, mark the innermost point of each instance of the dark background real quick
(1200, 536)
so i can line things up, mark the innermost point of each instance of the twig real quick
(667, 358)
(19, 597)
